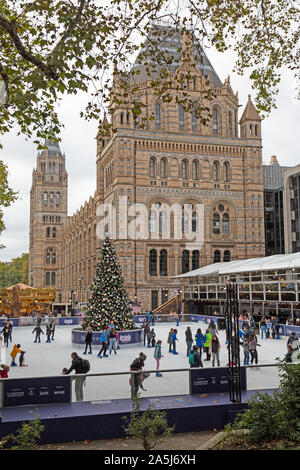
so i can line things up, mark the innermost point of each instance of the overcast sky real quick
(280, 133)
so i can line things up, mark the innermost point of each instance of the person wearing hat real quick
(104, 342)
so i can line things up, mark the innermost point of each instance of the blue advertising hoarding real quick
(36, 391)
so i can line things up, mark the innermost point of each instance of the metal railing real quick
(102, 391)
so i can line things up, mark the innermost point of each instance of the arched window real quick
(157, 116)
(256, 129)
(163, 263)
(121, 118)
(51, 199)
(216, 223)
(53, 258)
(195, 259)
(181, 117)
(230, 130)
(48, 232)
(226, 169)
(127, 118)
(57, 199)
(163, 222)
(45, 199)
(215, 121)
(251, 129)
(53, 278)
(215, 171)
(47, 278)
(54, 232)
(194, 221)
(152, 167)
(48, 258)
(184, 169)
(185, 261)
(194, 120)
(225, 224)
(217, 256)
(153, 263)
(226, 256)
(163, 168)
(195, 170)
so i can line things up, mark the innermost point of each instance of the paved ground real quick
(186, 441)
(46, 359)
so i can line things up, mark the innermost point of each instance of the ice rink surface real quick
(48, 359)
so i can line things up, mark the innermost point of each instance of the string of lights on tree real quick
(109, 299)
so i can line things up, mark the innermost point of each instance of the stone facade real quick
(172, 160)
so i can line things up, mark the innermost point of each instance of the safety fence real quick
(109, 387)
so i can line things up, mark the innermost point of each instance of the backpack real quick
(192, 359)
(85, 366)
(135, 365)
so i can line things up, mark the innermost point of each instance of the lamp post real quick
(232, 326)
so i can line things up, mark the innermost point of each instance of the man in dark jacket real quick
(137, 366)
(77, 365)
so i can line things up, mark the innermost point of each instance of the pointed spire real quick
(250, 112)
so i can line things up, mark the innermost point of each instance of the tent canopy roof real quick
(268, 263)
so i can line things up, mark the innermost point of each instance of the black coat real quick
(89, 338)
(76, 365)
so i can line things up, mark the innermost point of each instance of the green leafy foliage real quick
(271, 417)
(49, 49)
(7, 195)
(17, 270)
(26, 437)
(109, 299)
(150, 427)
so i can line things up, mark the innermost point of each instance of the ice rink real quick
(48, 359)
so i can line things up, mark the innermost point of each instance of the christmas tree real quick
(109, 299)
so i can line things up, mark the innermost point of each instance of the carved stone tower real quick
(48, 214)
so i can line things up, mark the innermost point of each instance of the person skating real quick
(104, 342)
(252, 348)
(158, 356)
(289, 355)
(214, 350)
(173, 341)
(195, 358)
(137, 366)
(207, 344)
(152, 338)
(5, 333)
(112, 341)
(21, 359)
(263, 328)
(4, 371)
(146, 333)
(212, 328)
(169, 340)
(16, 350)
(245, 346)
(38, 330)
(88, 340)
(200, 340)
(189, 340)
(48, 333)
(52, 327)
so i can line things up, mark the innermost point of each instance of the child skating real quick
(157, 357)
(38, 330)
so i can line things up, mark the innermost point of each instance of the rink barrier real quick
(130, 337)
(284, 330)
(58, 389)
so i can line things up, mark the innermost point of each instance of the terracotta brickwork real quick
(172, 160)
